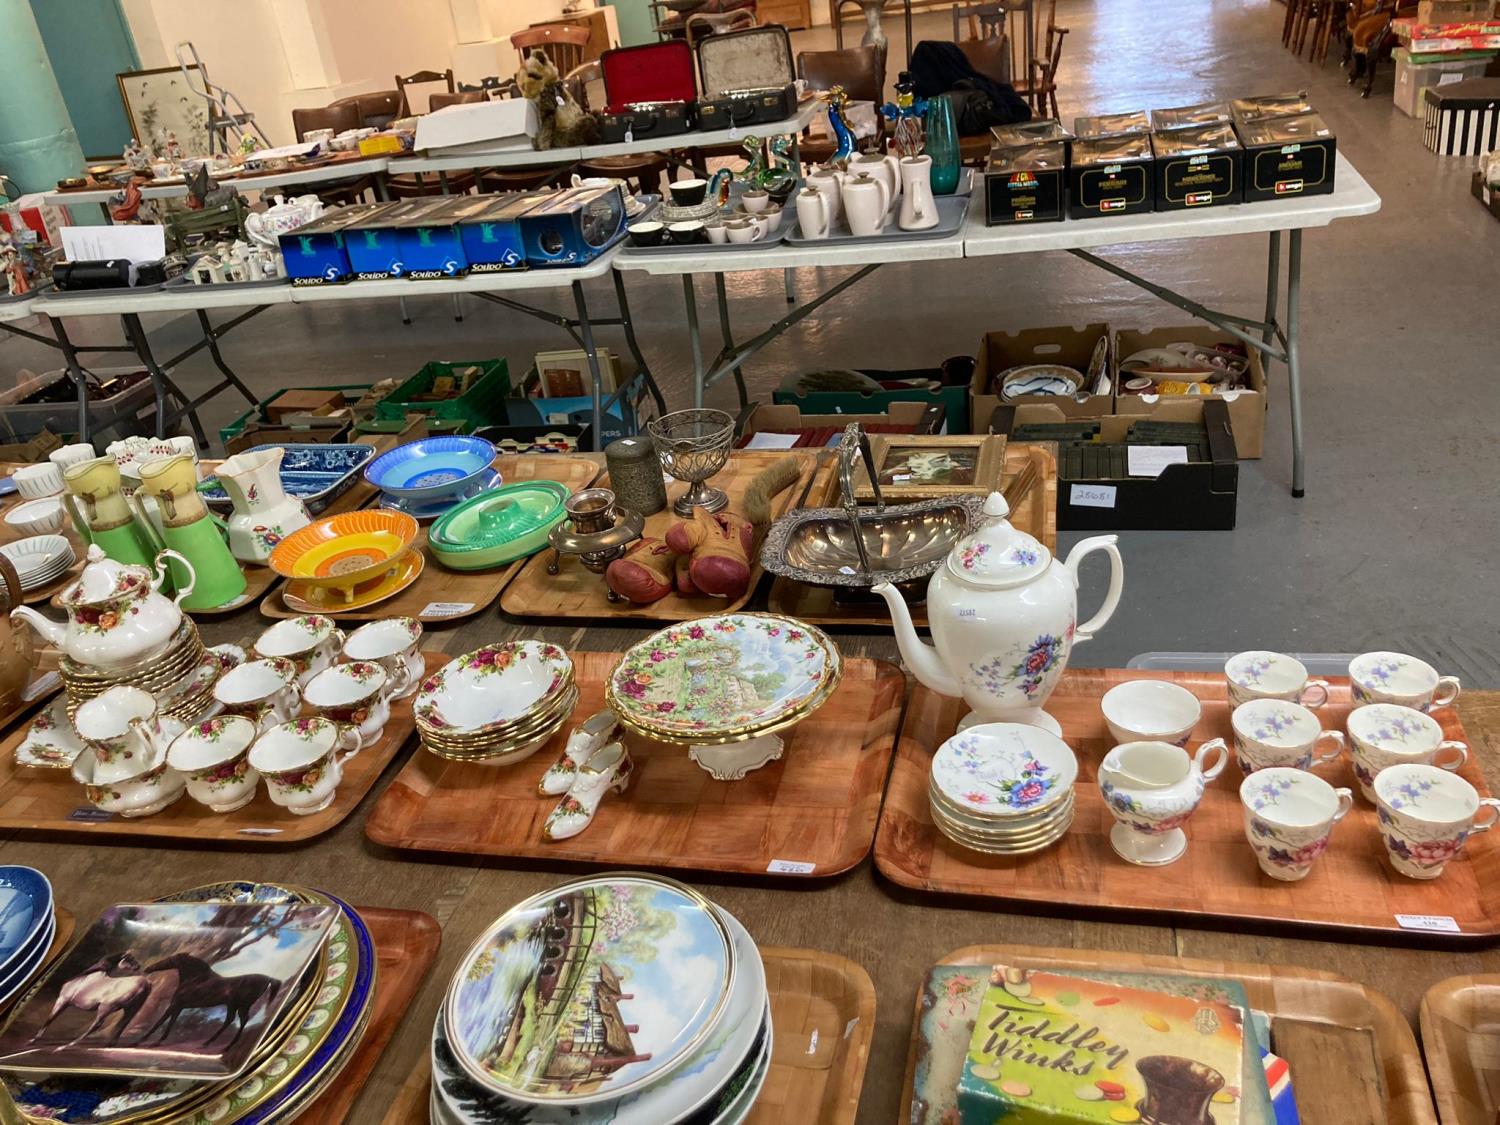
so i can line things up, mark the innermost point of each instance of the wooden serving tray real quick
(1460, 1022)
(575, 592)
(1313, 1014)
(50, 802)
(406, 944)
(823, 1018)
(1352, 889)
(1037, 516)
(815, 807)
(439, 593)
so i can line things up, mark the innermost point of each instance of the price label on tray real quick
(1092, 496)
(790, 867)
(445, 609)
(1433, 923)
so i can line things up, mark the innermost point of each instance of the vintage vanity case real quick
(1287, 156)
(649, 91)
(1198, 167)
(1110, 176)
(748, 78)
(574, 226)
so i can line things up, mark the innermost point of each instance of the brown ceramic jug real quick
(17, 658)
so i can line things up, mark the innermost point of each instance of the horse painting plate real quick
(167, 990)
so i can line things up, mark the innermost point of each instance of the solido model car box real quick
(1074, 347)
(1287, 156)
(1198, 166)
(1247, 407)
(1111, 176)
(1026, 185)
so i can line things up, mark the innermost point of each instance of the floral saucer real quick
(51, 742)
(1002, 770)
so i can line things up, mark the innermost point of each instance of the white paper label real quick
(1447, 78)
(1092, 495)
(812, 1042)
(629, 136)
(768, 440)
(445, 609)
(790, 867)
(899, 477)
(1436, 923)
(1152, 460)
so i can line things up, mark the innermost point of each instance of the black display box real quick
(1190, 116)
(1026, 185)
(1111, 176)
(1287, 156)
(1198, 167)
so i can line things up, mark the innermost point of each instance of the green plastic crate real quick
(479, 405)
(395, 425)
(352, 391)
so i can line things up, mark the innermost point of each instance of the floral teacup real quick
(1384, 735)
(1289, 815)
(311, 642)
(358, 693)
(1393, 677)
(1151, 789)
(393, 643)
(1150, 711)
(122, 728)
(1426, 814)
(214, 756)
(263, 690)
(1271, 675)
(1270, 732)
(150, 789)
(302, 762)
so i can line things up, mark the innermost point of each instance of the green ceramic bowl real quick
(498, 526)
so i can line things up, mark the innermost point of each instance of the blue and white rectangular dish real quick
(315, 474)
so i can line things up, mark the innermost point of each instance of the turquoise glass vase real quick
(942, 145)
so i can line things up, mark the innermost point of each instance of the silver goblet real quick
(694, 445)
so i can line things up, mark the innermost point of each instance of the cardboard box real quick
(297, 428)
(1453, 11)
(1111, 176)
(1198, 166)
(1000, 350)
(1415, 74)
(1247, 408)
(1026, 185)
(1482, 192)
(1463, 118)
(954, 399)
(496, 124)
(1287, 156)
(312, 400)
(772, 418)
(1199, 496)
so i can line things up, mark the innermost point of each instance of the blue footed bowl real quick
(25, 907)
(430, 468)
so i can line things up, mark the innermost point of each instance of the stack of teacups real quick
(496, 704)
(1003, 788)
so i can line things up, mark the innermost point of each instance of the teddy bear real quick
(561, 121)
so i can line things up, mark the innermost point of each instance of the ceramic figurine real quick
(116, 613)
(607, 769)
(188, 529)
(264, 514)
(1151, 789)
(137, 159)
(1003, 615)
(837, 99)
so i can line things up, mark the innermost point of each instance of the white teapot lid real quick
(104, 578)
(998, 553)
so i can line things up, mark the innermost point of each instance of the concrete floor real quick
(1392, 544)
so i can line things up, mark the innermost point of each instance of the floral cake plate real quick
(722, 686)
(1004, 769)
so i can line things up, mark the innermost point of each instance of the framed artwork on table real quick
(918, 466)
(158, 102)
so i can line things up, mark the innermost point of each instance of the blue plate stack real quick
(28, 923)
(425, 478)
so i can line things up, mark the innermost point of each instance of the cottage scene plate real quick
(591, 991)
(718, 676)
(491, 686)
(1004, 769)
(187, 963)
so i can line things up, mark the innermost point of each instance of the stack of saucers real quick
(1003, 788)
(622, 997)
(497, 704)
(28, 923)
(181, 677)
(318, 969)
(39, 560)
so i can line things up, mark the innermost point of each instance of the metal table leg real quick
(586, 330)
(161, 381)
(211, 338)
(75, 372)
(695, 338)
(632, 344)
(791, 289)
(1273, 281)
(1293, 366)
(728, 334)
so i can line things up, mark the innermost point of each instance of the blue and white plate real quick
(430, 468)
(432, 509)
(315, 474)
(25, 910)
(31, 958)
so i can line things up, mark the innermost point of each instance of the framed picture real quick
(565, 374)
(915, 466)
(158, 102)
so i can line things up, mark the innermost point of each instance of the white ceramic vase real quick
(264, 514)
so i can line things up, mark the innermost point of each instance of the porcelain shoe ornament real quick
(608, 768)
(116, 615)
(587, 737)
(1151, 789)
(1003, 615)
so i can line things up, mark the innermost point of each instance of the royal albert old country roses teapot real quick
(1003, 615)
(115, 613)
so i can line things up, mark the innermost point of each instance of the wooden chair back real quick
(859, 70)
(577, 80)
(991, 57)
(563, 43)
(986, 21)
(701, 25)
(339, 117)
(421, 78)
(462, 97)
(376, 110)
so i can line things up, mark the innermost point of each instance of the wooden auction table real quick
(893, 935)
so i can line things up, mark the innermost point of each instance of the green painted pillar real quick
(37, 144)
(636, 26)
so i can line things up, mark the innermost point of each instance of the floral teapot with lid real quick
(267, 226)
(116, 614)
(1003, 614)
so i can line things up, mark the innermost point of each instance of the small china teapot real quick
(267, 226)
(1003, 616)
(116, 614)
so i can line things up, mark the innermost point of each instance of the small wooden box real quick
(313, 400)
